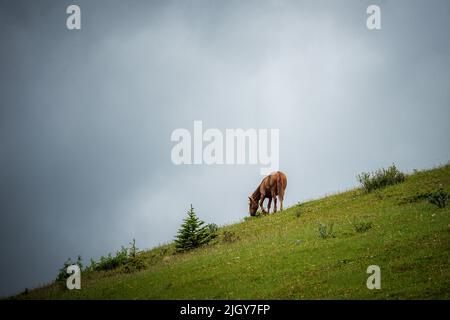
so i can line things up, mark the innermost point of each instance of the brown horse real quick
(270, 187)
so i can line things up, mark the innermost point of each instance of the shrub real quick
(193, 233)
(439, 198)
(213, 228)
(111, 262)
(326, 231)
(418, 196)
(380, 178)
(128, 258)
(133, 249)
(135, 263)
(258, 214)
(361, 227)
(229, 236)
(62, 273)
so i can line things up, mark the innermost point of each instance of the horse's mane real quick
(257, 194)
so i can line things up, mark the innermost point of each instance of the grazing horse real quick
(270, 187)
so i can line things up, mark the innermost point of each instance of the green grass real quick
(409, 239)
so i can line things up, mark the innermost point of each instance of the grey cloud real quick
(86, 116)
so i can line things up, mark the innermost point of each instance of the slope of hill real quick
(282, 256)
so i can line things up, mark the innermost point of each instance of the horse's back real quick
(276, 181)
(281, 181)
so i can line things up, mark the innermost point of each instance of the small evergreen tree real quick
(193, 233)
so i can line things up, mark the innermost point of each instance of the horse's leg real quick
(269, 205)
(281, 197)
(274, 197)
(280, 193)
(261, 202)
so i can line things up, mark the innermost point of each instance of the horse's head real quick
(252, 206)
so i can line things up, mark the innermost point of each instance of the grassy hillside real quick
(282, 256)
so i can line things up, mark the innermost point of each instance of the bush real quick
(361, 227)
(439, 198)
(128, 258)
(133, 264)
(326, 231)
(258, 214)
(133, 249)
(380, 178)
(62, 273)
(111, 262)
(213, 228)
(193, 233)
(418, 196)
(229, 236)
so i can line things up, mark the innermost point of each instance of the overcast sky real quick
(86, 116)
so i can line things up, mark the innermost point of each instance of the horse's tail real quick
(281, 185)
